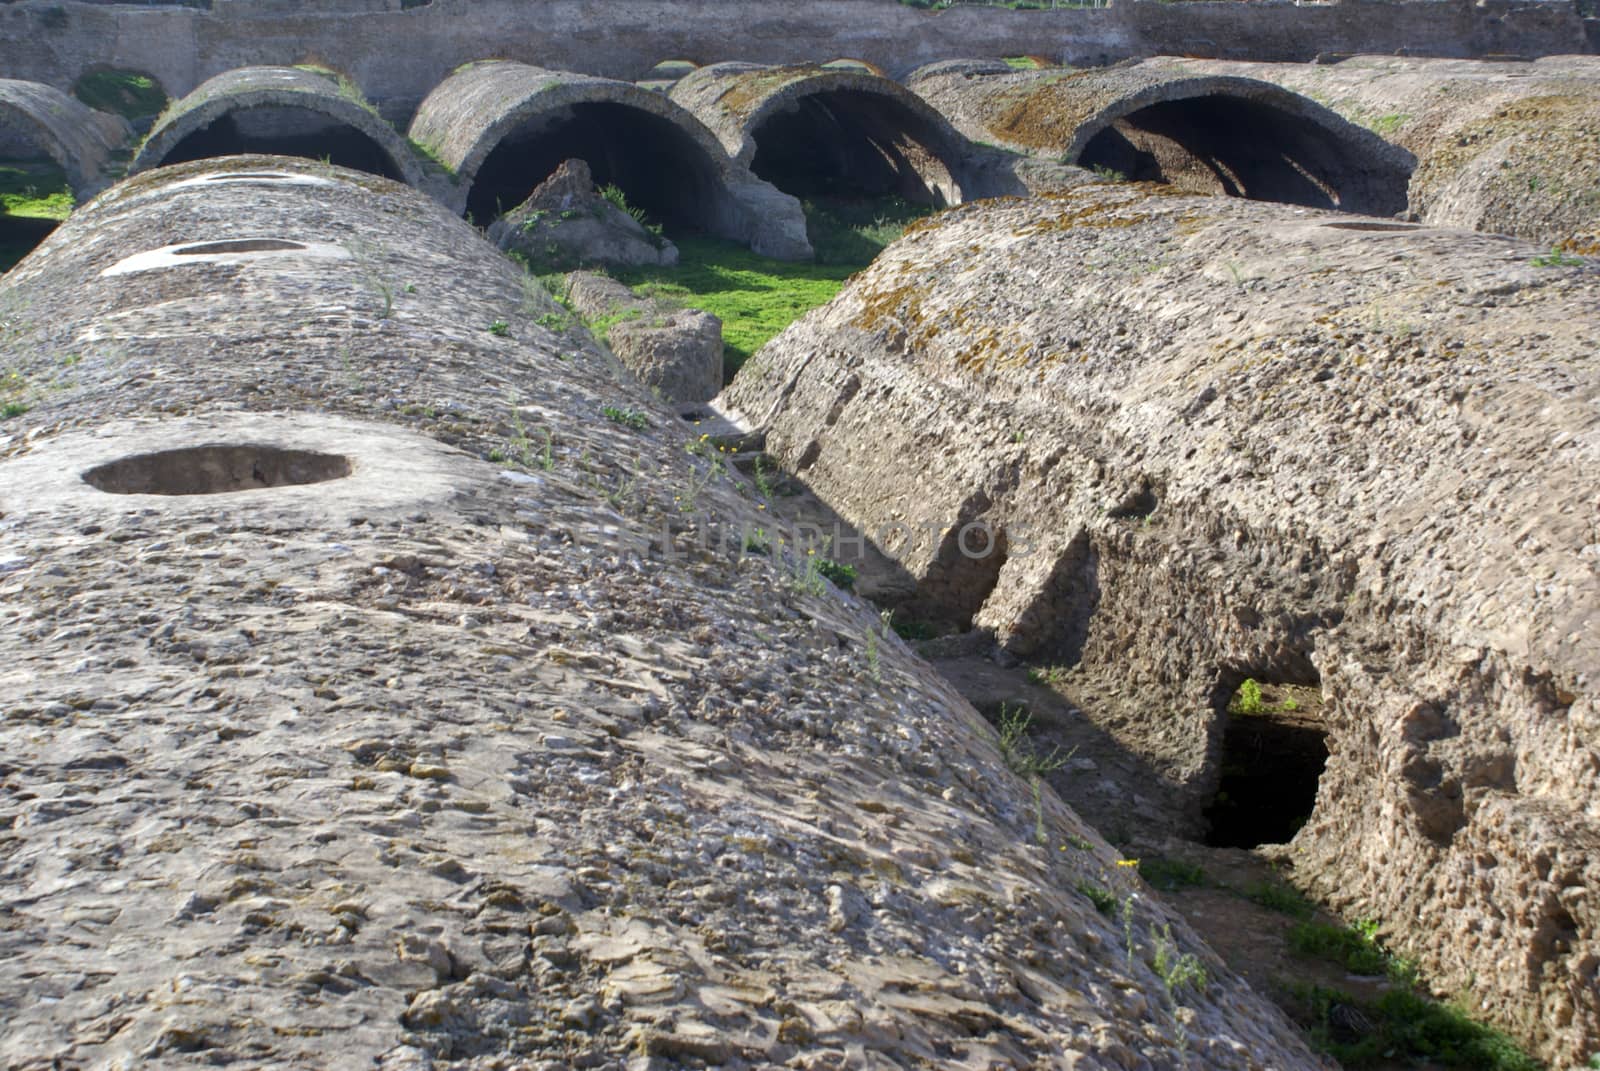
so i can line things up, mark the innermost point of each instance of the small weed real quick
(807, 579)
(618, 198)
(1282, 898)
(1041, 835)
(842, 576)
(1054, 676)
(913, 630)
(547, 460)
(1177, 971)
(1103, 899)
(628, 418)
(762, 475)
(500, 329)
(1110, 173)
(1248, 700)
(689, 498)
(1557, 258)
(1170, 874)
(756, 542)
(554, 321)
(1017, 748)
(12, 409)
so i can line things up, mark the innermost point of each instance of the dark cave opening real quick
(658, 166)
(853, 144)
(1226, 145)
(274, 131)
(1274, 749)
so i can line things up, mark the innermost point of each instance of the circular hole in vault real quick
(237, 245)
(215, 470)
(1371, 225)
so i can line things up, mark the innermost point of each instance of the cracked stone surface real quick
(1213, 439)
(457, 764)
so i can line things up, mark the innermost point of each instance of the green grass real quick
(34, 191)
(1170, 874)
(1405, 1027)
(1357, 952)
(756, 297)
(1388, 124)
(34, 197)
(1282, 898)
(125, 93)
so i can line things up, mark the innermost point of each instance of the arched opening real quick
(285, 131)
(853, 144)
(1219, 144)
(1274, 748)
(34, 194)
(134, 95)
(658, 166)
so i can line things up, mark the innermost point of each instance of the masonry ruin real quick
(400, 673)
(1183, 539)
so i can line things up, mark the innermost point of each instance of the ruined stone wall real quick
(401, 55)
(1510, 147)
(1221, 439)
(406, 721)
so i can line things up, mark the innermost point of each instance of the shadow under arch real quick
(1237, 137)
(505, 127)
(832, 131)
(278, 111)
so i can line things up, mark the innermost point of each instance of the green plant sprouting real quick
(1176, 970)
(1017, 747)
(628, 418)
